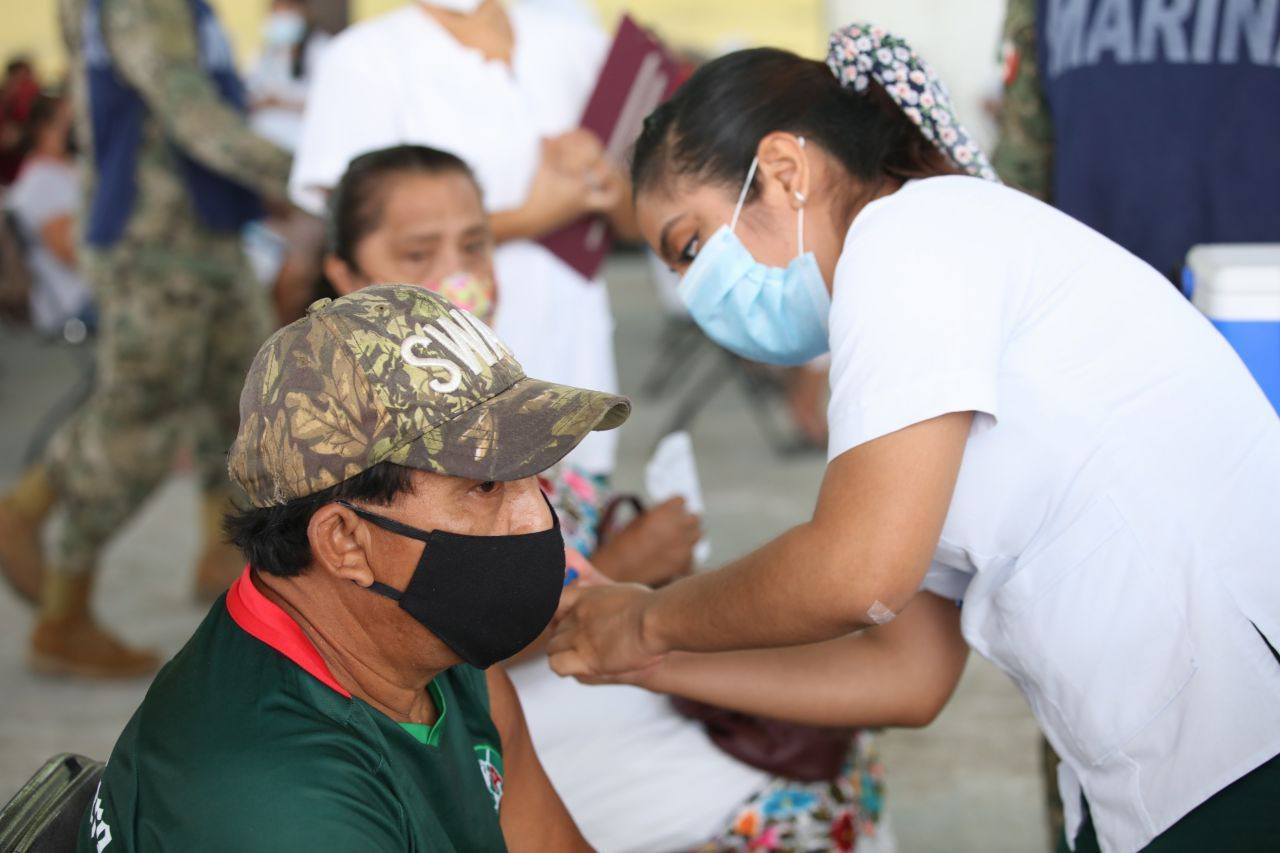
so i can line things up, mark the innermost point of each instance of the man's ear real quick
(784, 169)
(340, 544)
(340, 274)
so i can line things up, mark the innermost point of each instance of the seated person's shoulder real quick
(235, 748)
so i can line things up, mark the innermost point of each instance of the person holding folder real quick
(504, 89)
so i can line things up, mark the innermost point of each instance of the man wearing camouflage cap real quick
(334, 699)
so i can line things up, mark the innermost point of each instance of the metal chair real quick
(46, 813)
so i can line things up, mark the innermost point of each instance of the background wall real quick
(960, 41)
(31, 28)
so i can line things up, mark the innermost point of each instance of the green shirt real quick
(245, 742)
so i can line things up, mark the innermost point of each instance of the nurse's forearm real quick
(856, 563)
(788, 592)
(900, 674)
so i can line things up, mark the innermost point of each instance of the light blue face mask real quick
(767, 314)
(284, 29)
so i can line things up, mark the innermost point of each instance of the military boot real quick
(67, 640)
(23, 511)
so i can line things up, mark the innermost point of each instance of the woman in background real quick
(503, 88)
(281, 78)
(284, 248)
(44, 200)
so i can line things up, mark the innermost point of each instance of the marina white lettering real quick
(1083, 33)
(1161, 23)
(1065, 26)
(1112, 32)
(1252, 21)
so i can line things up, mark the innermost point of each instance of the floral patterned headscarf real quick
(860, 53)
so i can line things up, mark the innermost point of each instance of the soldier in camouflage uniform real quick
(174, 174)
(1023, 155)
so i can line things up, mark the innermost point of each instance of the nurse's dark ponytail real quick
(710, 128)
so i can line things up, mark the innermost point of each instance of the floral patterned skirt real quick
(844, 815)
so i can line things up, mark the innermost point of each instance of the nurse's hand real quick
(604, 633)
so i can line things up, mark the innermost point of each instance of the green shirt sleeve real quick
(308, 819)
(1023, 154)
(154, 48)
(315, 797)
(326, 795)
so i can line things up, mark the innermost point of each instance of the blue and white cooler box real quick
(1237, 286)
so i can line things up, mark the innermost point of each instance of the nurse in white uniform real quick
(1025, 418)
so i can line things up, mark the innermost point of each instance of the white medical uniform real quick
(402, 78)
(45, 190)
(636, 776)
(272, 77)
(1115, 531)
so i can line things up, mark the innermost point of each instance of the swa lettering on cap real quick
(470, 342)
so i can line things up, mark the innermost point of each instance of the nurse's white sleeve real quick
(917, 328)
(946, 582)
(350, 110)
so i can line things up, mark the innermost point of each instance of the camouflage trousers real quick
(179, 326)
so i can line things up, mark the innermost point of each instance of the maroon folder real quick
(638, 74)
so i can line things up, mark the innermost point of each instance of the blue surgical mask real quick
(284, 29)
(767, 314)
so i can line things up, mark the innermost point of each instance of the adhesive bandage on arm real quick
(879, 614)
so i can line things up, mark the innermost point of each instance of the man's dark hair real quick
(274, 539)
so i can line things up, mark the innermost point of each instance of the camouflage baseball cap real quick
(396, 373)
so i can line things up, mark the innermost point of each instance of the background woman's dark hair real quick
(274, 539)
(44, 111)
(710, 128)
(355, 205)
(298, 56)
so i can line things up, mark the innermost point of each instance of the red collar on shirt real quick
(262, 619)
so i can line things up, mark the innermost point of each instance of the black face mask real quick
(486, 597)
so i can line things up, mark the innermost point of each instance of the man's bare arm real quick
(533, 816)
